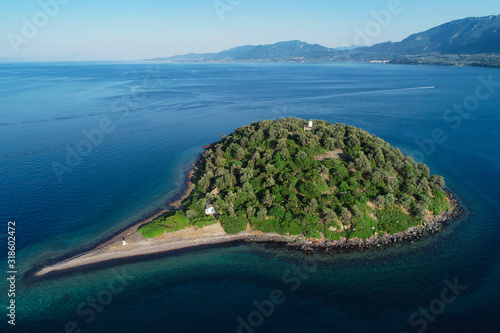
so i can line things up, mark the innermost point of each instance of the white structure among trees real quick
(209, 209)
(310, 126)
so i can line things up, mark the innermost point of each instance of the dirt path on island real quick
(139, 246)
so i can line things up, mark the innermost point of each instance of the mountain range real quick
(469, 41)
(471, 35)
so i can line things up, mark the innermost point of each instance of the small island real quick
(310, 185)
(314, 179)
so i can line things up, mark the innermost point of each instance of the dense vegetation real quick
(332, 181)
(173, 222)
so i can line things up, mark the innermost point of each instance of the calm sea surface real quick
(87, 149)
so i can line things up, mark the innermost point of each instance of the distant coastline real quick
(445, 60)
(471, 41)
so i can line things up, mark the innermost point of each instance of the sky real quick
(134, 30)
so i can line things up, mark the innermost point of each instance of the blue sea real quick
(90, 148)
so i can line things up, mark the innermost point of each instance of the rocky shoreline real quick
(433, 225)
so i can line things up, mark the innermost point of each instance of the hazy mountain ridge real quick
(469, 36)
(283, 50)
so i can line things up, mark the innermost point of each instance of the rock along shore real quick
(433, 225)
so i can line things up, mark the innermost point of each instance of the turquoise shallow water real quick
(160, 117)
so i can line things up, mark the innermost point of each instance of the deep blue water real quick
(157, 117)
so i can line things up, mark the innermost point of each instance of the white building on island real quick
(310, 126)
(209, 209)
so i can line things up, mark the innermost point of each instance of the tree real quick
(231, 197)
(423, 186)
(377, 176)
(240, 154)
(379, 156)
(268, 199)
(283, 155)
(262, 214)
(347, 199)
(244, 141)
(438, 180)
(424, 170)
(311, 208)
(356, 211)
(330, 144)
(301, 155)
(228, 180)
(389, 200)
(246, 175)
(257, 137)
(323, 170)
(380, 201)
(218, 151)
(281, 145)
(405, 200)
(420, 212)
(343, 187)
(283, 133)
(329, 216)
(313, 204)
(425, 201)
(220, 183)
(231, 212)
(345, 216)
(362, 163)
(247, 187)
(409, 189)
(270, 182)
(269, 168)
(392, 183)
(191, 214)
(250, 211)
(339, 143)
(353, 141)
(204, 182)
